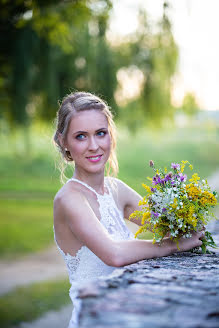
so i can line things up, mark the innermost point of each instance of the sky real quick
(195, 29)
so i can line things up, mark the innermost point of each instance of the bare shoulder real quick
(68, 198)
(126, 195)
(121, 186)
(117, 184)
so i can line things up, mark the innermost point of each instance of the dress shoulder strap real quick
(83, 184)
(87, 186)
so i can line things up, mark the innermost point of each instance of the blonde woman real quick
(89, 210)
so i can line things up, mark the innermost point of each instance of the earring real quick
(66, 149)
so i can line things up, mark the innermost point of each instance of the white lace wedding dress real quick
(85, 265)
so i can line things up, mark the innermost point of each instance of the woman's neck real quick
(95, 180)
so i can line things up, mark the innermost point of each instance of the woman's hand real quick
(186, 244)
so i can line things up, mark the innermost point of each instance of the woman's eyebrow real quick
(80, 132)
(102, 129)
(85, 132)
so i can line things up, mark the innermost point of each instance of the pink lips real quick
(94, 159)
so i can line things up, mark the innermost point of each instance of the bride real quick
(89, 210)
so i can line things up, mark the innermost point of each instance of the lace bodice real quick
(85, 265)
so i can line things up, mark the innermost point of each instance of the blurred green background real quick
(51, 48)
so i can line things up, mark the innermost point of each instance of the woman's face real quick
(89, 141)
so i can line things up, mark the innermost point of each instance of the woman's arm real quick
(89, 231)
(129, 199)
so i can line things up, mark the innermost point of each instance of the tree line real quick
(50, 48)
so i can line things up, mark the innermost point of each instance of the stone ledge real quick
(181, 290)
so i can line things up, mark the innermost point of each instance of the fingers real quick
(199, 243)
(201, 234)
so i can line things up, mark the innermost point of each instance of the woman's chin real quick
(91, 169)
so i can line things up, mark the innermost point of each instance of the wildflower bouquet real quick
(175, 207)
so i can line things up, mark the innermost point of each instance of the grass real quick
(25, 226)
(28, 303)
(197, 147)
(29, 182)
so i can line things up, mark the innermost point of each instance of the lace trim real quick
(92, 189)
(72, 261)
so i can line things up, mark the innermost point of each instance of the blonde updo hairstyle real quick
(77, 102)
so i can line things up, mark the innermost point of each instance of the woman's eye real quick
(80, 137)
(101, 133)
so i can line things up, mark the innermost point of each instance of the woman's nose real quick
(93, 145)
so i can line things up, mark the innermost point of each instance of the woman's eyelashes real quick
(80, 137)
(101, 133)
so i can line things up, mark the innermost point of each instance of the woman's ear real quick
(61, 140)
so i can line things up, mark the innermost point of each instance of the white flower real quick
(175, 233)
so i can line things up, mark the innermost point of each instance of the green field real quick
(29, 181)
(28, 303)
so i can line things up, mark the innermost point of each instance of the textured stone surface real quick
(181, 290)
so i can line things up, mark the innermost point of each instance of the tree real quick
(190, 105)
(155, 53)
(41, 42)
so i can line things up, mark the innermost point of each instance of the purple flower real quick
(155, 214)
(175, 166)
(156, 179)
(182, 177)
(151, 163)
(153, 189)
(167, 177)
(164, 209)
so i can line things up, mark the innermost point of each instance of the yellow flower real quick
(174, 205)
(192, 220)
(191, 166)
(142, 202)
(133, 215)
(146, 187)
(193, 191)
(189, 217)
(139, 231)
(208, 198)
(145, 217)
(194, 178)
